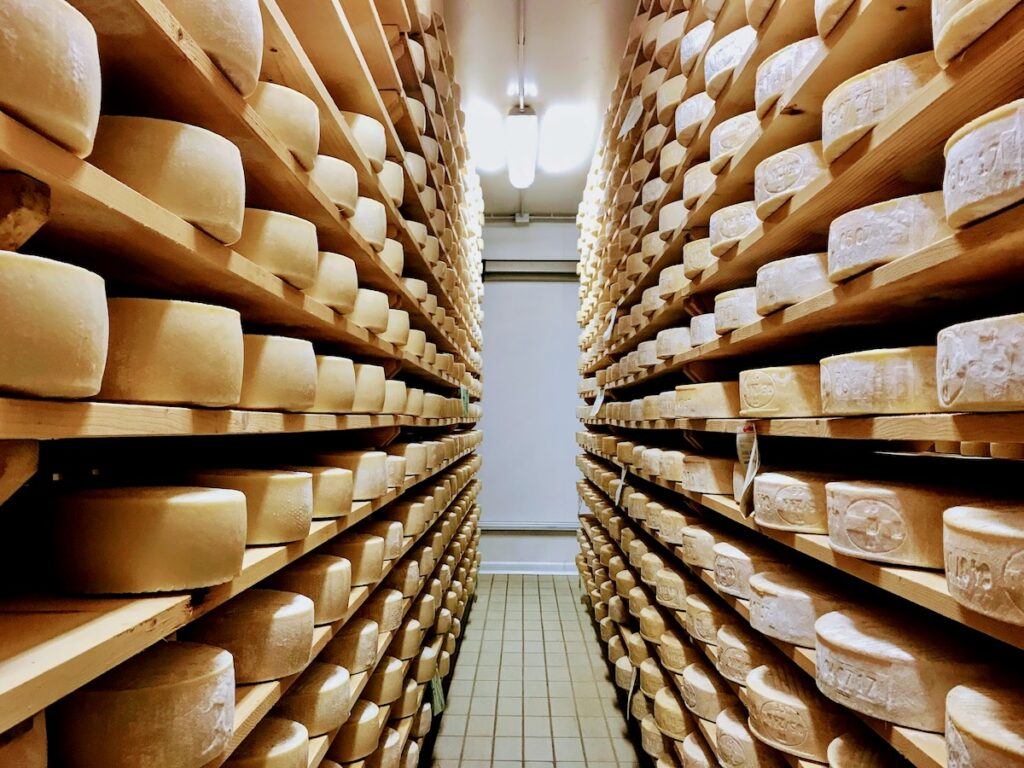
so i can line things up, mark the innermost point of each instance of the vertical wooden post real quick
(24, 208)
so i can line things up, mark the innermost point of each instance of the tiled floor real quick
(531, 688)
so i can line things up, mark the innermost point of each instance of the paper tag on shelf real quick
(464, 394)
(436, 694)
(598, 402)
(611, 323)
(633, 114)
(750, 458)
(622, 484)
(632, 692)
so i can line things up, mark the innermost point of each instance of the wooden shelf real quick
(254, 702)
(924, 588)
(51, 646)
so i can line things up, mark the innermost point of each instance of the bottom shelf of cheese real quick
(817, 692)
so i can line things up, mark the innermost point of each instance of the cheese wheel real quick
(292, 117)
(669, 35)
(672, 525)
(976, 368)
(670, 218)
(739, 651)
(729, 225)
(386, 683)
(888, 522)
(370, 310)
(417, 167)
(416, 109)
(192, 172)
(335, 281)
(757, 11)
(339, 182)
(671, 279)
(279, 504)
(738, 746)
(735, 308)
(393, 256)
(388, 753)
(697, 257)
(791, 501)
(723, 56)
(779, 177)
(671, 342)
(56, 327)
(708, 400)
(784, 605)
(335, 385)
(369, 135)
(651, 739)
(651, 193)
(414, 402)
(698, 546)
(690, 114)
(354, 647)
(983, 727)
(856, 750)
(736, 562)
(877, 234)
(956, 24)
(696, 753)
(425, 664)
(397, 332)
(392, 181)
(780, 70)
(703, 618)
(56, 47)
(370, 220)
(705, 693)
(148, 539)
(672, 719)
(982, 554)
(856, 106)
(231, 34)
(789, 281)
(269, 633)
(324, 579)
(170, 706)
(369, 470)
(279, 373)
(285, 245)
(359, 735)
(785, 391)
(702, 329)
(416, 343)
(319, 699)
(693, 43)
(729, 136)
(670, 93)
(672, 156)
(24, 746)
(827, 14)
(173, 352)
(888, 667)
(675, 652)
(370, 388)
(880, 381)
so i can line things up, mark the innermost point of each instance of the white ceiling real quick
(573, 48)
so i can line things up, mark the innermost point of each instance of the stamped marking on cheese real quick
(730, 751)
(795, 505)
(850, 683)
(874, 525)
(734, 661)
(759, 389)
(726, 572)
(783, 723)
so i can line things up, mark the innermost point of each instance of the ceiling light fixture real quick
(522, 129)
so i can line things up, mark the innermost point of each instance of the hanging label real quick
(622, 484)
(598, 402)
(464, 394)
(611, 323)
(633, 114)
(436, 694)
(632, 692)
(750, 459)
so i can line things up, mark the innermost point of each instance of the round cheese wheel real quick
(789, 281)
(827, 14)
(693, 44)
(339, 182)
(370, 389)
(705, 692)
(652, 740)
(729, 136)
(335, 385)
(393, 256)
(279, 504)
(284, 244)
(424, 665)
(704, 617)
(192, 172)
(273, 743)
(723, 56)
(956, 24)
(737, 745)
(424, 719)
(416, 109)
(319, 700)
(739, 651)
(984, 727)
(171, 706)
(790, 501)
(354, 647)
(55, 324)
(974, 373)
(777, 72)
(785, 605)
(397, 332)
(728, 226)
(408, 640)
(696, 753)
(387, 681)
(280, 373)
(369, 470)
(689, 116)
(673, 720)
(332, 490)
(675, 652)
(889, 667)
(856, 749)
(779, 177)
(417, 167)
(292, 117)
(335, 282)
(880, 381)
(269, 633)
(652, 679)
(698, 546)
(324, 579)
(392, 181)
(174, 352)
(370, 220)
(784, 391)
(230, 33)
(148, 539)
(735, 308)
(388, 753)
(55, 47)
(369, 135)
(370, 310)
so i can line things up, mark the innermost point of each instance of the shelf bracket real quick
(24, 208)
(19, 461)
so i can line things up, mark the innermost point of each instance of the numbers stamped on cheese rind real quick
(851, 683)
(783, 723)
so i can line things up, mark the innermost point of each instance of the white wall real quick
(529, 422)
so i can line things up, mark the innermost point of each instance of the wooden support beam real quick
(19, 460)
(24, 209)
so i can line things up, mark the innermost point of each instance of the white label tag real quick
(632, 692)
(611, 322)
(750, 457)
(598, 402)
(636, 109)
(622, 484)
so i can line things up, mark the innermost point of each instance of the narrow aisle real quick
(531, 686)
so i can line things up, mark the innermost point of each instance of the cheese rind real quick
(856, 106)
(728, 136)
(148, 539)
(827, 14)
(279, 373)
(55, 47)
(173, 352)
(777, 72)
(784, 391)
(738, 746)
(780, 176)
(370, 220)
(693, 43)
(229, 33)
(324, 579)
(729, 225)
(319, 700)
(369, 135)
(880, 381)
(736, 562)
(735, 308)
(724, 55)
(956, 24)
(392, 181)
(791, 501)
(697, 257)
(789, 281)
(370, 310)
(354, 647)
(336, 282)
(984, 727)
(671, 342)
(335, 385)
(273, 743)
(192, 172)
(978, 366)
(293, 118)
(702, 329)
(877, 234)
(339, 182)
(690, 114)
(171, 706)
(370, 389)
(697, 180)
(55, 324)
(369, 470)
(708, 400)
(705, 692)
(285, 245)
(279, 504)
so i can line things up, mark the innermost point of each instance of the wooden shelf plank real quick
(51, 646)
